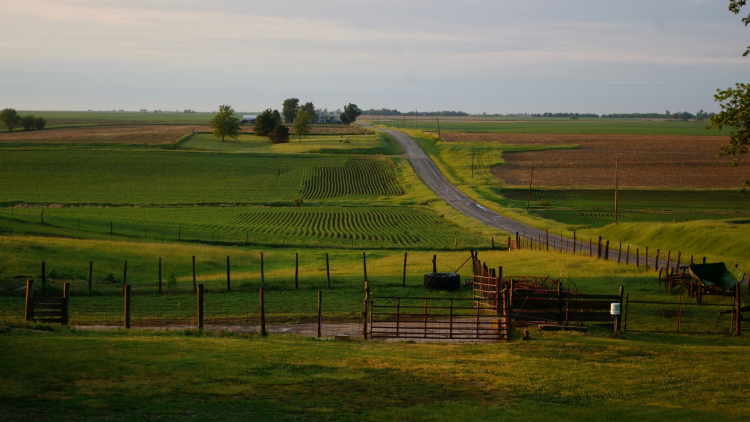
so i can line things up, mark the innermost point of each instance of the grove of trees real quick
(351, 111)
(11, 120)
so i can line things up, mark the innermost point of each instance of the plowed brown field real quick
(125, 134)
(669, 161)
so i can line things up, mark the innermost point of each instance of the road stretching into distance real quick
(435, 180)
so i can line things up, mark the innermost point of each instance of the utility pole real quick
(531, 179)
(438, 122)
(617, 182)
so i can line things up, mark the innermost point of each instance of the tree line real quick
(11, 120)
(394, 112)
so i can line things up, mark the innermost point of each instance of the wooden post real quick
(262, 314)
(296, 270)
(320, 312)
(195, 287)
(262, 272)
(591, 253)
(646, 256)
(29, 314)
(125, 273)
(328, 272)
(44, 275)
(627, 256)
(91, 272)
(619, 320)
(493, 243)
(403, 279)
(691, 261)
(159, 275)
(637, 258)
(127, 306)
(531, 179)
(200, 306)
(229, 282)
(619, 254)
(574, 243)
(704, 259)
(656, 261)
(434, 263)
(599, 249)
(450, 316)
(606, 251)
(364, 314)
(364, 264)
(625, 317)
(498, 288)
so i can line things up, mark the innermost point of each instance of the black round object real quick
(442, 281)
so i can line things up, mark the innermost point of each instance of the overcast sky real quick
(478, 56)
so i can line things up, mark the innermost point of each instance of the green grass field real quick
(88, 118)
(370, 144)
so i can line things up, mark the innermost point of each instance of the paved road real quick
(435, 180)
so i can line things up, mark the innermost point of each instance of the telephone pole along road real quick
(435, 180)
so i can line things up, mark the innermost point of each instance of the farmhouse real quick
(249, 118)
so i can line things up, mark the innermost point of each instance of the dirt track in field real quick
(669, 161)
(124, 134)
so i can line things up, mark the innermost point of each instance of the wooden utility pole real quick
(531, 179)
(617, 175)
(438, 122)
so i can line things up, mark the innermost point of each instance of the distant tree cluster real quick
(394, 112)
(269, 123)
(680, 115)
(11, 120)
(568, 115)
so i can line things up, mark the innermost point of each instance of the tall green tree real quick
(313, 116)
(40, 123)
(302, 123)
(290, 107)
(28, 122)
(10, 119)
(279, 135)
(224, 124)
(277, 117)
(351, 111)
(735, 110)
(265, 123)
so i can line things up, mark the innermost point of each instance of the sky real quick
(515, 56)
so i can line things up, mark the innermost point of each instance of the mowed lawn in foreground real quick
(141, 375)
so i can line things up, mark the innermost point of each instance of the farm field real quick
(555, 125)
(336, 143)
(168, 177)
(88, 118)
(331, 226)
(130, 134)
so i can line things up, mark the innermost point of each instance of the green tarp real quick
(714, 275)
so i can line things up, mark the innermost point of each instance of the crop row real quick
(358, 177)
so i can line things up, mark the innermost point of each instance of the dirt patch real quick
(124, 134)
(662, 161)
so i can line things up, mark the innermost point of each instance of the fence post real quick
(606, 251)
(127, 305)
(229, 283)
(66, 304)
(434, 263)
(262, 273)
(200, 306)
(29, 314)
(619, 254)
(518, 244)
(320, 312)
(646, 256)
(619, 320)
(364, 263)
(328, 272)
(559, 303)
(296, 270)
(493, 243)
(498, 287)
(656, 261)
(364, 314)
(591, 249)
(574, 243)
(195, 287)
(91, 271)
(403, 279)
(262, 314)
(637, 258)
(599, 249)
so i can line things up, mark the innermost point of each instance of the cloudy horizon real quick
(477, 56)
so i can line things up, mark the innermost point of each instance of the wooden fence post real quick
(364, 264)
(493, 243)
(606, 251)
(200, 306)
(498, 288)
(646, 256)
(320, 312)
(262, 314)
(619, 254)
(127, 305)
(627, 256)
(591, 250)
(296, 270)
(195, 287)
(656, 261)
(159, 275)
(637, 258)
(434, 263)
(91, 272)
(29, 314)
(574, 243)
(229, 282)
(599, 249)
(125, 273)
(403, 279)
(262, 273)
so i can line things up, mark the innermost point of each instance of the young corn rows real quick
(358, 177)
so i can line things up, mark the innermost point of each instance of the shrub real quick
(40, 123)
(297, 202)
(279, 135)
(28, 122)
(110, 278)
